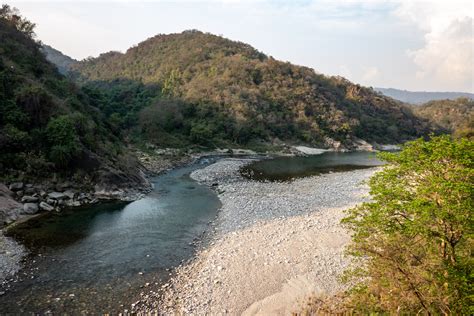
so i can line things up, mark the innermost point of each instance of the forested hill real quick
(455, 116)
(206, 89)
(48, 127)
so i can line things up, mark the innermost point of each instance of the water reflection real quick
(289, 168)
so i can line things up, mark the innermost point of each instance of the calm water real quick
(97, 259)
(288, 168)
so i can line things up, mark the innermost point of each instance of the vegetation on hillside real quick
(455, 116)
(47, 124)
(415, 239)
(57, 58)
(215, 90)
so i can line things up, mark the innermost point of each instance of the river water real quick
(98, 260)
(289, 168)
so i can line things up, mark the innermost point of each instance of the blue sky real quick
(414, 45)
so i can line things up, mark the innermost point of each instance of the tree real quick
(12, 16)
(414, 240)
(62, 137)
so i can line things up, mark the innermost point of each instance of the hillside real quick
(209, 90)
(63, 62)
(419, 97)
(49, 129)
(455, 116)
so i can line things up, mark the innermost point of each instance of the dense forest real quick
(198, 88)
(455, 116)
(48, 125)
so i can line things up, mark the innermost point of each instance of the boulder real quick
(29, 199)
(30, 191)
(70, 194)
(16, 186)
(46, 207)
(9, 208)
(56, 195)
(30, 208)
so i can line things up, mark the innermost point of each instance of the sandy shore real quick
(272, 245)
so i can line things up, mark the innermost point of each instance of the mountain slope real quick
(419, 97)
(48, 127)
(63, 62)
(455, 116)
(216, 89)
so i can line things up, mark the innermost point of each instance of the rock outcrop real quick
(9, 208)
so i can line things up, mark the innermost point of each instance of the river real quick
(99, 259)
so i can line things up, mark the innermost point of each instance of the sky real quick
(412, 45)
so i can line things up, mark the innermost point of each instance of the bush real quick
(415, 239)
(201, 133)
(62, 137)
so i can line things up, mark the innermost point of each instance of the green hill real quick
(205, 89)
(455, 116)
(48, 126)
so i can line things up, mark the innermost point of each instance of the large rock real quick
(46, 207)
(57, 195)
(16, 186)
(9, 208)
(70, 194)
(30, 191)
(29, 199)
(30, 208)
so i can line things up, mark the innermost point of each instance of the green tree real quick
(62, 137)
(415, 238)
(201, 133)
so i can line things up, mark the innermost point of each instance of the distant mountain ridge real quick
(420, 97)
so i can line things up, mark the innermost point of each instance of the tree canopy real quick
(455, 116)
(239, 94)
(415, 238)
(13, 17)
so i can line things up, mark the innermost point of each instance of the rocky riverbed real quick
(272, 245)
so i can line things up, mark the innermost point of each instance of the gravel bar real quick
(272, 245)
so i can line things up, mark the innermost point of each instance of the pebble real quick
(247, 206)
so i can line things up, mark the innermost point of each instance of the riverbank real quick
(271, 246)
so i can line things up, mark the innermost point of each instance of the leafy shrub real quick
(61, 134)
(416, 238)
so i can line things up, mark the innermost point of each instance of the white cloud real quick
(447, 56)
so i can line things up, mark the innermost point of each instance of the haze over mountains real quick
(419, 97)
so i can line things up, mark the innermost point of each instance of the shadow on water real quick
(60, 229)
(290, 168)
